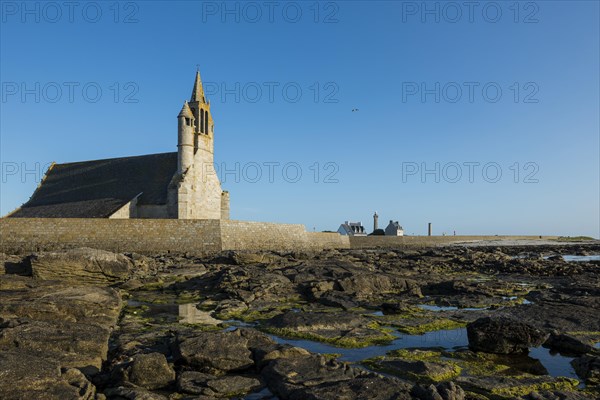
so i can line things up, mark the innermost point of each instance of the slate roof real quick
(96, 189)
(352, 228)
(394, 225)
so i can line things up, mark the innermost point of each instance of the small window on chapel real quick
(187, 121)
(201, 121)
(206, 121)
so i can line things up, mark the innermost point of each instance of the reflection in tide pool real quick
(189, 314)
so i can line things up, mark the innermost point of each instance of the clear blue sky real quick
(390, 60)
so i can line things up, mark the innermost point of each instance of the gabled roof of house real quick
(353, 227)
(394, 224)
(96, 189)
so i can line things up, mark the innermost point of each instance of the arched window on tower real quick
(206, 122)
(201, 120)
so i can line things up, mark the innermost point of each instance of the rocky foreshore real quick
(445, 323)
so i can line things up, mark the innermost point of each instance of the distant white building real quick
(394, 229)
(352, 229)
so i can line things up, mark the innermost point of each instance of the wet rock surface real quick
(87, 324)
(86, 266)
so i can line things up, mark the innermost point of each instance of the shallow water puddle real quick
(234, 324)
(152, 309)
(434, 308)
(263, 394)
(575, 258)
(447, 339)
(452, 339)
(429, 307)
(566, 257)
(513, 298)
(594, 257)
(555, 364)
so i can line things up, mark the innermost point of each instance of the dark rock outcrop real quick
(503, 335)
(68, 324)
(316, 378)
(198, 383)
(216, 351)
(132, 392)
(151, 371)
(26, 376)
(443, 391)
(588, 368)
(568, 344)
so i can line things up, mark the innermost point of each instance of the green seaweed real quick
(381, 337)
(561, 383)
(415, 356)
(436, 325)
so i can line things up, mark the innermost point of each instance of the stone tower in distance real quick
(375, 221)
(195, 191)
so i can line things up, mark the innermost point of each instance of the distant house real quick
(352, 229)
(394, 229)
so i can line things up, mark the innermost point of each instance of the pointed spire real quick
(186, 111)
(198, 91)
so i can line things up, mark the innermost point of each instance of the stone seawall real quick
(243, 235)
(120, 235)
(18, 235)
